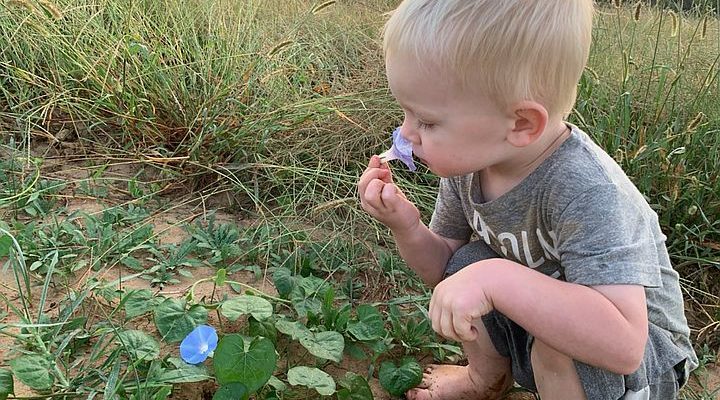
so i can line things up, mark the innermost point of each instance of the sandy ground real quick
(167, 227)
(169, 231)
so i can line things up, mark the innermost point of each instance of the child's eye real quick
(424, 125)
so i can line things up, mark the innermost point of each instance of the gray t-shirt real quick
(577, 218)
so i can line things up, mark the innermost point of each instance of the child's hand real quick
(383, 200)
(457, 304)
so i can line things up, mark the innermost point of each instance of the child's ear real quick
(529, 122)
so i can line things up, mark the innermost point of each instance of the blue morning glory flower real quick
(198, 344)
(401, 150)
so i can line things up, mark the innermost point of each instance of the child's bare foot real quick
(453, 382)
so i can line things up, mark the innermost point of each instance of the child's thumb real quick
(392, 195)
(385, 175)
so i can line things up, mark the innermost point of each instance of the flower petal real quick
(198, 344)
(401, 149)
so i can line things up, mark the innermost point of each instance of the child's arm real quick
(424, 251)
(605, 326)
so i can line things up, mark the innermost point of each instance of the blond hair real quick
(506, 50)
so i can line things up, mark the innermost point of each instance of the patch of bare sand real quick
(706, 381)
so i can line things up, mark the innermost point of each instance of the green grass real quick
(269, 110)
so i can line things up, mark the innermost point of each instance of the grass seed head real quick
(592, 72)
(710, 76)
(638, 9)
(21, 4)
(51, 9)
(322, 6)
(696, 121)
(675, 24)
(278, 47)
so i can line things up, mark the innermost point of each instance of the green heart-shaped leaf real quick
(221, 277)
(328, 345)
(398, 380)
(354, 387)
(283, 281)
(6, 384)
(232, 391)
(174, 322)
(312, 378)
(139, 344)
(183, 372)
(139, 302)
(264, 328)
(252, 367)
(294, 329)
(369, 324)
(305, 305)
(258, 307)
(33, 370)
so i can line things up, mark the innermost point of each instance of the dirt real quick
(168, 229)
(192, 391)
(705, 380)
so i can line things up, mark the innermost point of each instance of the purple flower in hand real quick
(198, 344)
(401, 150)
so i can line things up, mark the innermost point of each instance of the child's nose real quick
(409, 132)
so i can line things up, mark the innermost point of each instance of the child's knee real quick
(468, 254)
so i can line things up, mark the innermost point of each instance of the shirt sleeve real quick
(448, 219)
(606, 238)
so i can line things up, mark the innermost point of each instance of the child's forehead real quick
(431, 100)
(426, 68)
(408, 76)
(407, 73)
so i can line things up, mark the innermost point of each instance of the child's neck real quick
(500, 179)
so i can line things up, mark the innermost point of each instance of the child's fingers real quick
(447, 329)
(389, 196)
(440, 320)
(368, 176)
(382, 195)
(372, 195)
(373, 173)
(376, 163)
(386, 173)
(464, 328)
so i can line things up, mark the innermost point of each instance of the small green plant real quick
(218, 243)
(116, 235)
(167, 261)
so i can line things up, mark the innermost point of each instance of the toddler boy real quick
(547, 263)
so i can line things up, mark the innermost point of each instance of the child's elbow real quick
(631, 359)
(630, 365)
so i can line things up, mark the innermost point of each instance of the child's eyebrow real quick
(419, 114)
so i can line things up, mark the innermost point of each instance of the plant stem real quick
(245, 285)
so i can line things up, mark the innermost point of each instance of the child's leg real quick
(487, 376)
(555, 374)
(660, 376)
